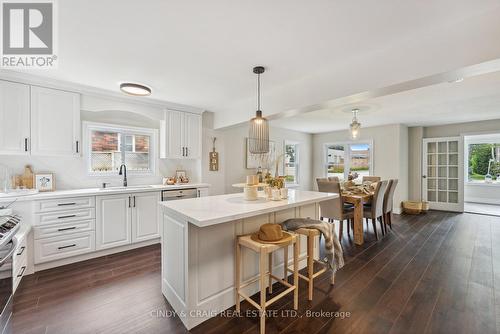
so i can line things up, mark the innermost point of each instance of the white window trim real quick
(297, 162)
(87, 146)
(347, 162)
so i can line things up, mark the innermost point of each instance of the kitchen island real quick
(198, 247)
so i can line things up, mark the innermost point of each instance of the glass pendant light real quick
(355, 125)
(258, 135)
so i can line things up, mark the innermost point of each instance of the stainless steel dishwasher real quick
(172, 195)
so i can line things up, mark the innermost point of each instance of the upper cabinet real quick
(14, 118)
(180, 135)
(55, 122)
(38, 121)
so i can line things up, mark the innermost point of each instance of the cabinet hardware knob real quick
(21, 250)
(23, 268)
(68, 216)
(66, 228)
(68, 246)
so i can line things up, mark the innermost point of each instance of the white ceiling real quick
(201, 53)
(475, 98)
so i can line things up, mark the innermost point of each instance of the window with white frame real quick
(291, 161)
(109, 146)
(342, 158)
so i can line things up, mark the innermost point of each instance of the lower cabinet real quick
(145, 223)
(113, 221)
(126, 218)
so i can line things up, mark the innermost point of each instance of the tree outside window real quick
(481, 157)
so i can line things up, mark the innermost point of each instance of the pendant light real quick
(258, 142)
(355, 125)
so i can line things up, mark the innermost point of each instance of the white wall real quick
(231, 145)
(390, 154)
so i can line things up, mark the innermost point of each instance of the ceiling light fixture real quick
(258, 135)
(135, 89)
(355, 125)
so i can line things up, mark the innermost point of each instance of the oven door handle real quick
(5, 258)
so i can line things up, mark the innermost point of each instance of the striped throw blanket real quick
(333, 250)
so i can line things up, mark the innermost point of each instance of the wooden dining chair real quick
(376, 210)
(388, 203)
(371, 178)
(335, 209)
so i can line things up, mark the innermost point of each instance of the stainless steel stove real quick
(8, 228)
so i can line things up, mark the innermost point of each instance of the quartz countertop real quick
(97, 191)
(211, 210)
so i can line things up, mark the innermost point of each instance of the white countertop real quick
(211, 210)
(98, 191)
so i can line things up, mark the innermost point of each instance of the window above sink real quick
(107, 146)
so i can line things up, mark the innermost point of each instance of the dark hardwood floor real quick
(435, 273)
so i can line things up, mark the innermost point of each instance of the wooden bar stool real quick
(311, 234)
(266, 249)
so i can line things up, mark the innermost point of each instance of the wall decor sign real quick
(45, 182)
(213, 158)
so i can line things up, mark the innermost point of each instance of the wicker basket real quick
(425, 206)
(412, 207)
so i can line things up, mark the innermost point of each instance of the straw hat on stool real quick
(271, 234)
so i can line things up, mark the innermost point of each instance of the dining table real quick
(358, 200)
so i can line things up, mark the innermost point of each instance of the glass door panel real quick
(442, 163)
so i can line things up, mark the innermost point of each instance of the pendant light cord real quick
(258, 91)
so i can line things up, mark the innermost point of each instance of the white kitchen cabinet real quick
(145, 216)
(192, 133)
(14, 118)
(202, 192)
(55, 122)
(180, 135)
(125, 219)
(113, 221)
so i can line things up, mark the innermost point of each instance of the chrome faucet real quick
(123, 171)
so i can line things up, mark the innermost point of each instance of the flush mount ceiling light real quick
(258, 135)
(135, 89)
(355, 125)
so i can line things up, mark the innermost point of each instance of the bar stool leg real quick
(270, 272)
(237, 279)
(262, 265)
(296, 248)
(285, 263)
(310, 265)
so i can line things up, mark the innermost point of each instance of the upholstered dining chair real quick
(334, 178)
(376, 210)
(334, 209)
(371, 178)
(388, 203)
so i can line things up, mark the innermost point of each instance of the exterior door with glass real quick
(442, 173)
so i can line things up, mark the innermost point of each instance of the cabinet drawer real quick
(55, 248)
(64, 204)
(58, 229)
(64, 216)
(19, 272)
(20, 256)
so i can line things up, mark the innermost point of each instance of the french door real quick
(443, 173)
